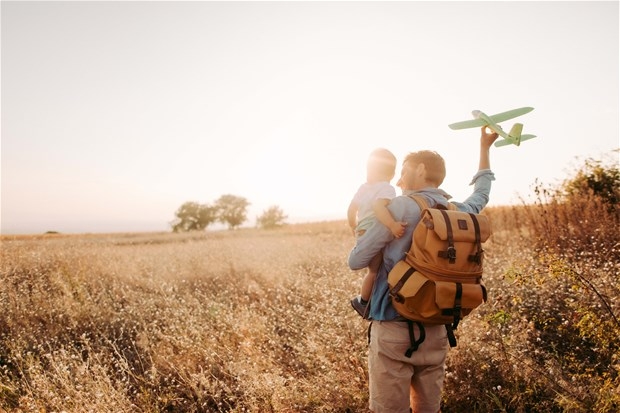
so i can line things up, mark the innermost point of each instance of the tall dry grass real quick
(260, 321)
(230, 321)
(548, 341)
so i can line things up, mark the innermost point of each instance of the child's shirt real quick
(366, 195)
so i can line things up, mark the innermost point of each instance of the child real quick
(371, 200)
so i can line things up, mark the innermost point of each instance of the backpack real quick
(440, 279)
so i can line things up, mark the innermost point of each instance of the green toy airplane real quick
(513, 137)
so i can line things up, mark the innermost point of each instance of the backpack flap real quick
(414, 297)
(449, 243)
(413, 284)
(412, 294)
(398, 279)
(462, 225)
(404, 282)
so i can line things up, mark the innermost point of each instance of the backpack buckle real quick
(451, 254)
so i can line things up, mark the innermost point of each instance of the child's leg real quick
(369, 278)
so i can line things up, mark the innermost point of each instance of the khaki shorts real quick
(394, 378)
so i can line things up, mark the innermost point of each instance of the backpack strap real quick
(423, 204)
(421, 201)
(415, 343)
(477, 258)
(450, 253)
(457, 305)
(451, 336)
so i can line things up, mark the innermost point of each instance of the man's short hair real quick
(434, 163)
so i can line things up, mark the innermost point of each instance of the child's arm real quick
(379, 207)
(352, 215)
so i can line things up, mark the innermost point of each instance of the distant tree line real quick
(228, 209)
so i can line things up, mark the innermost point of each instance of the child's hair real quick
(434, 163)
(381, 165)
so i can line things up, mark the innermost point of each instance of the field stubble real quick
(237, 321)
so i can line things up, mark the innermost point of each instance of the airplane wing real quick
(474, 123)
(500, 117)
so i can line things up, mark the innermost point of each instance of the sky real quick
(114, 114)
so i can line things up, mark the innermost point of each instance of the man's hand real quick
(487, 137)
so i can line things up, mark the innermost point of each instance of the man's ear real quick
(420, 170)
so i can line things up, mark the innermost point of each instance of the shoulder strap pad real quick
(423, 204)
(420, 200)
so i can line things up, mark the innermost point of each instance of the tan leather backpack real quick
(440, 279)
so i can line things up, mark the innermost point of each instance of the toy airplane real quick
(513, 137)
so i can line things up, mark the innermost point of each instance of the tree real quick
(207, 215)
(271, 218)
(599, 178)
(192, 216)
(232, 210)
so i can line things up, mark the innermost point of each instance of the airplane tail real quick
(505, 142)
(515, 133)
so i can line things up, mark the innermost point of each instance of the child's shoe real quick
(360, 307)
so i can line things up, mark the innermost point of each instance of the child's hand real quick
(398, 229)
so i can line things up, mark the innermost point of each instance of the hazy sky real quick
(116, 113)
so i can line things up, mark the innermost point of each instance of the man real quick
(397, 382)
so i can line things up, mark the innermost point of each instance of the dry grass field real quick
(259, 321)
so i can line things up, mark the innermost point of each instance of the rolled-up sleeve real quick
(486, 173)
(482, 189)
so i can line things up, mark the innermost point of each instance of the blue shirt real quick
(378, 237)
